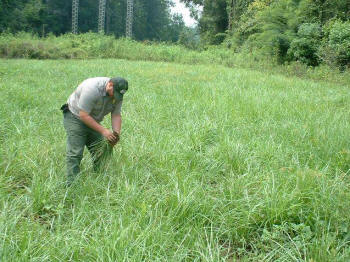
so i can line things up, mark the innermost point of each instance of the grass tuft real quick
(103, 153)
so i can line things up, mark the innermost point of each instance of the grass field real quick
(214, 164)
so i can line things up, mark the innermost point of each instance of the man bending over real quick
(85, 109)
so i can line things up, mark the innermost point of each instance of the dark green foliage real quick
(153, 21)
(189, 37)
(292, 30)
(58, 16)
(323, 10)
(305, 46)
(308, 31)
(336, 49)
(284, 30)
(21, 15)
(235, 10)
(152, 18)
(218, 17)
(214, 21)
(276, 30)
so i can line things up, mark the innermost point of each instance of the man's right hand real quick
(112, 139)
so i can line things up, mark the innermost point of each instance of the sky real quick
(182, 9)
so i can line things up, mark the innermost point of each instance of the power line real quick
(129, 17)
(101, 16)
(75, 14)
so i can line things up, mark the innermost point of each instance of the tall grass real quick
(103, 153)
(92, 45)
(214, 164)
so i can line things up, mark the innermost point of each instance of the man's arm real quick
(90, 122)
(116, 123)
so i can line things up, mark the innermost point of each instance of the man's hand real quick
(110, 136)
(116, 135)
(116, 140)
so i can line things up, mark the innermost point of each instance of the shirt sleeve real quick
(87, 99)
(118, 108)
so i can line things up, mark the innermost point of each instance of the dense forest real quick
(309, 31)
(152, 18)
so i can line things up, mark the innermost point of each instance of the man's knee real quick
(74, 158)
(75, 149)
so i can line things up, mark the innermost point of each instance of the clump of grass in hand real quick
(102, 155)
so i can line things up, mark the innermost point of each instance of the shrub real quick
(305, 46)
(336, 48)
(276, 30)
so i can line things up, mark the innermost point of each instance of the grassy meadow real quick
(214, 164)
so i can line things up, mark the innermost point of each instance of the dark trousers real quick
(79, 135)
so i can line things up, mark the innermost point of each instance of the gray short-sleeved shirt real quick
(91, 97)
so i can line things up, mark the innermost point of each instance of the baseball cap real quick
(120, 86)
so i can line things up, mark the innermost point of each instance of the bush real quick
(305, 46)
(276, 30)
(336, 48)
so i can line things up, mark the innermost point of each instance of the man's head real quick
(120, 86)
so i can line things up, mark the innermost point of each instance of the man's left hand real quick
(116, 134)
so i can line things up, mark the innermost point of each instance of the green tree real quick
(214, 21)
(115, 17)
(152, 18)
(219, 17)
(305, 46)
(174, 29)
(12, 15)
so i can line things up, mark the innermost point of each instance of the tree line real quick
(309, 31)
(152, 18)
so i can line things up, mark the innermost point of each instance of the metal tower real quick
(129, 17)
(101, 16)
(75, 14)
(232, 12)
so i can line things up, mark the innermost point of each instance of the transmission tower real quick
(129, 17)
(75, 14)
(101, 16)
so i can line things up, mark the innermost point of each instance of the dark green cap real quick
(120, 86)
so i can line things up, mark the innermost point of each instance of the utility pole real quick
(129, 17)
(75, 14)
(231, 14)
(108, 17)
(101, 16)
